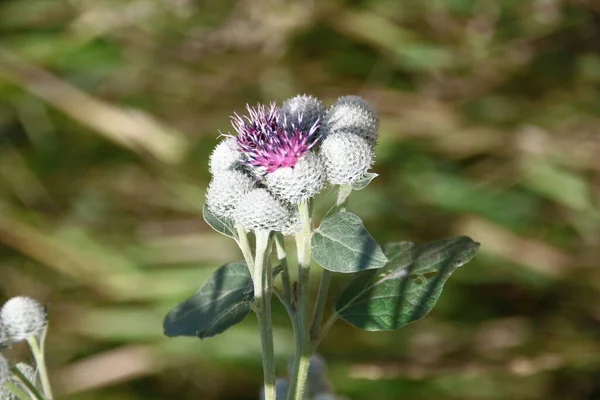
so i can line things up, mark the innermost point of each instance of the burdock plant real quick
(264, 180)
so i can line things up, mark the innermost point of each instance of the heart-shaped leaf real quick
(342, 244)
(407, 288)
(223, 301)
(222, 225)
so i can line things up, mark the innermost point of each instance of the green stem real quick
(340, 205)
(40, 360)
(285, 273)
(32, 391)
(244, 245)
(16, 390)
(304, 347)
(263, 288)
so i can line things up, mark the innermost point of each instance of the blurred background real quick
(490, 127)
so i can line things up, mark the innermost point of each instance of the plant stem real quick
(32, 391)
(301, 335)
(285, 274)
(14, 389)
(244, 245)
(40, 360)
(340, 206)
(263, 288)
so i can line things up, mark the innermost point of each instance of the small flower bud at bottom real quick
(298, 183)
(225, 157)
(354, 115)
(225, 191)
(4, 370)
(258, 209)
(23, 317)
(28, 371)
(301, 112)
(346, 157)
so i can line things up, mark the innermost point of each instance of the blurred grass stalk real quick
(133, 129)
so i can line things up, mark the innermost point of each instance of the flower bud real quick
(225, 157)
(352, 114)
(298, 183)
(302, 112)
(346, 157)
(225, 191)
(4, 370)
(258, 209)
(28, 372)
(23, 317)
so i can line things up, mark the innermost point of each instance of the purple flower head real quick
(267, 143)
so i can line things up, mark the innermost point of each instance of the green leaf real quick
(223, 301)
(222, 225)
(407, 288)
(364, 181)
(342, 244)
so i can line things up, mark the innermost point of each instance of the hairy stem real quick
(285, 273)
(301, 335)
(40, 360)
(263, 289)
(340, 206)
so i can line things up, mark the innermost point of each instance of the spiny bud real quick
(225, 191)
(258, 209)
(298, 183)
(346, 157)
(4, 370)
(23, 317)
(352, 114)
(225, 157)
(302, 112)
(292, 225)
(28, 371)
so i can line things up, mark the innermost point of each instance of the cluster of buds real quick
(283, 156)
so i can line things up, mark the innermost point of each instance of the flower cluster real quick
(283, 156)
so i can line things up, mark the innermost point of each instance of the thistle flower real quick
(302, 111)
(258, 209)
(23, 317)
(225, 157)
(225, 191)
(352, 114)
(346, 157)
(266, 144)
(298, 183)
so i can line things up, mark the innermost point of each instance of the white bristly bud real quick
(225, 191)
(22, 317)
(4, 370)
(298, 183)
(346, 157)
(292, 225)
(225, 157)
(352, 114)
(258, 209)
(28, 371)
(301, 111)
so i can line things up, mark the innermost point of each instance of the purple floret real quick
(265, 141)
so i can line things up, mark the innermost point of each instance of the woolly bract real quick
(22, 318)
(352, 114)
(225, 157)
(225, 191)
(298, 183)
(302, 111)
(346, 157)
(258, 209)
